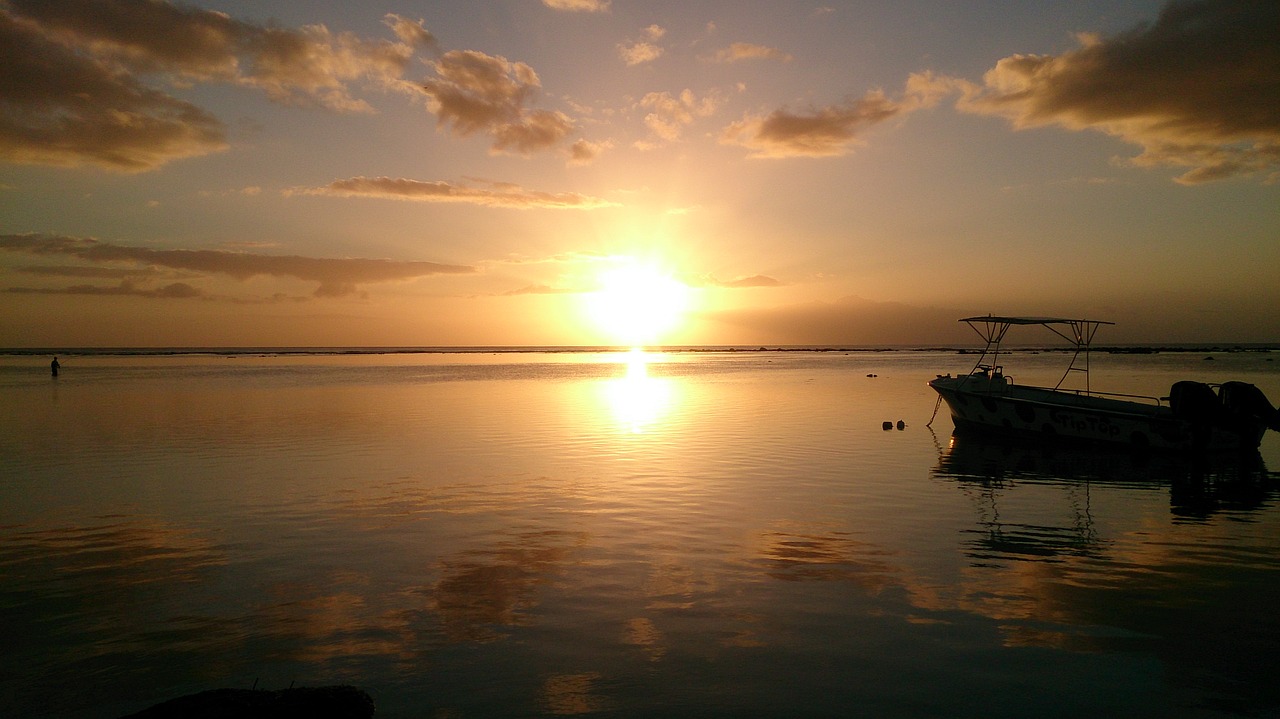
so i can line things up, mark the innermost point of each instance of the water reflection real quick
(637, 400)
(630, 534)
(569, 694)
(1198, 486)
(483, 593)
(1069, 553)
(828, 555)
(641, 632)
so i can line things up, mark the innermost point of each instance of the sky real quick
(618, 172)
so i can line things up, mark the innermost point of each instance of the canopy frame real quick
(1079, 332)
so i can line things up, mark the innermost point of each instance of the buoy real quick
(902, 425)
(887, 426)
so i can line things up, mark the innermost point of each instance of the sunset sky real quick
(518, 172)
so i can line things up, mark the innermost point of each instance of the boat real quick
(1195, 416)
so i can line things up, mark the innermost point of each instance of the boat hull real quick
(979, 404)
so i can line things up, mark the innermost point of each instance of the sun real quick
(637, 304)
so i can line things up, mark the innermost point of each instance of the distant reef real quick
(335, 702)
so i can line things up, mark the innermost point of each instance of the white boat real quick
(1194, 417)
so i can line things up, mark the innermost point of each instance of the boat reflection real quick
(1070, 553)
(1199, 485)
(637, 400)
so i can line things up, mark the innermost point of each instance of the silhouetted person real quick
(53, 366)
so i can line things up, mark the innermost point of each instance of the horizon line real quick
(236, 350)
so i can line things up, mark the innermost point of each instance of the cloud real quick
(63, 108)
(1199, 89)
(176, 290)
(739, 51)
(740, 283)
(640, 51)
(498, 195)
(569, 257)
(578, 5)
(477, 93)
(833, 130)
(305, 65)
(336, 276)
(72, 76)
(94, 272)
(537, 130)
(584, 152)
(538, 290)
(669, 114)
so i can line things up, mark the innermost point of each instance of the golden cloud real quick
(336, 276)
(740, 51)
(473, 92)
(669, 113)
(578, 5)
(497, 195)
(73, 95)
(1199, 89)
(833, 130)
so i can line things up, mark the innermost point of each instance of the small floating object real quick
(902, 425)
(873, 375)
(887, 426)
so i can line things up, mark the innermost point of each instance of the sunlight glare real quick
(637, 304)
(636, 399)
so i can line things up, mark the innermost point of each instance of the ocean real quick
(620, 534)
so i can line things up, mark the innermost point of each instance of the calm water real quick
(709, 534)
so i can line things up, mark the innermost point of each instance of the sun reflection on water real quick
(637, 400)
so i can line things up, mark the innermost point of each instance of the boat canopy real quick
(992, 329)
(1032, 320)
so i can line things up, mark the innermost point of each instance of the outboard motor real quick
(1199, 406)
(1194, 401)
(1247, 401)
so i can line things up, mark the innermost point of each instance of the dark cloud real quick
(305, 65)
(72, 72)
(833, 130)
(336, 276)
(175, 290)
(498, 195)
(94, 272)
(80, 80)
(477, 93)
(584, 152)
(1199, 88)
(61, 107)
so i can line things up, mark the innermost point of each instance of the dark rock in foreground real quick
(338, 702)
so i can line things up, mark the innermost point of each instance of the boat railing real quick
(1156, 401)
(992, 379)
